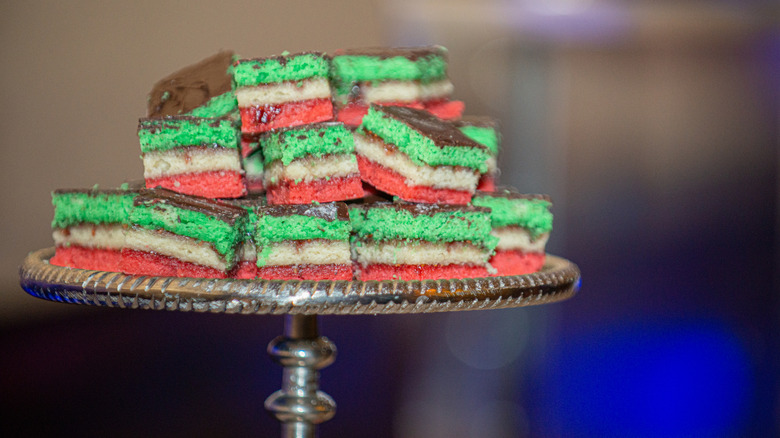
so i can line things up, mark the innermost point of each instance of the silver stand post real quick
(299, 405)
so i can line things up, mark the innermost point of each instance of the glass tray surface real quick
(558, 280)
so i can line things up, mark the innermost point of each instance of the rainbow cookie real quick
(303, 242)
(401, 241)
(522, 224)
(203, 89)
(282, 91)
(309, 163)
(418, 157)
(414, 77)
(192, 155)
(484, 130)
(88, 227)
(177, 235)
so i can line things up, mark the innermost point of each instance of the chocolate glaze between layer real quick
(441, 132)
(192, 86)
(211, 207)
(330, 211)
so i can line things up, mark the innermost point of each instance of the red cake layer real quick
(446, 109)
(245, 270)
(305, 272)
(391, 182)
(352, 113)
(321, 190)
(96, 259)
(487, 183)
(420, 272)
(263, 118)
(254, 185)
(134, 262)
(216, 184)
(516, 262)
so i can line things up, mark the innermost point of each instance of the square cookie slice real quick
(178, 235)
(415, 77)
(303, 242)
(522, 223)
(310, 163)
(282, 91)
(418, 157)
(192, 155)
(404, 241)
(88, 227)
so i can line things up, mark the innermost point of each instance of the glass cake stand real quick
(300, 406)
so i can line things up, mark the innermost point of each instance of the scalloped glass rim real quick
(558, 280)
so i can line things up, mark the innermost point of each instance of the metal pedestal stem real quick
(299, 405)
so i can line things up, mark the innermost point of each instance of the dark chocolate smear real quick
(479, 121)
(192, 86)
(218, 209)
(411, 53)
(510, 193)
(442, 133)
(417, 209)
(328, 211)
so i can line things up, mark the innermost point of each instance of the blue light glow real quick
(689, 379)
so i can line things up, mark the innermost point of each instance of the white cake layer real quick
(105, 236)
(247, 251)
(172, 245)
(492, 166)
(283, 92)
(418, 253)
(190, 160)
(440, 177)
(518, 238)
(405, 91)
(309, 252)
(311, 168)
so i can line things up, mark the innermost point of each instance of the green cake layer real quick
(447, 146)
(224, 105)
(177, 131)
(217, 223)
(349, 67)
(72, 207)
(249, 72)
(531, 212)
(280, 223)
(301, 141)
(484, 135)
(432, 223)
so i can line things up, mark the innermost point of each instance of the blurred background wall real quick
(653, 126)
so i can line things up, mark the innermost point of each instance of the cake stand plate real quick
(299, 405)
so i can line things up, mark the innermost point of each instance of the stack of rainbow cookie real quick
(307, 166)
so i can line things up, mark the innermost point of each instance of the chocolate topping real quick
(480, 121)
(95, 191)
(441, 132)
(330, 211)
(509, 193)
(282, 59)
(302, 128)
(191, 87)
(411, 53)
(424, 209)
(218, 209)
(172, 122)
